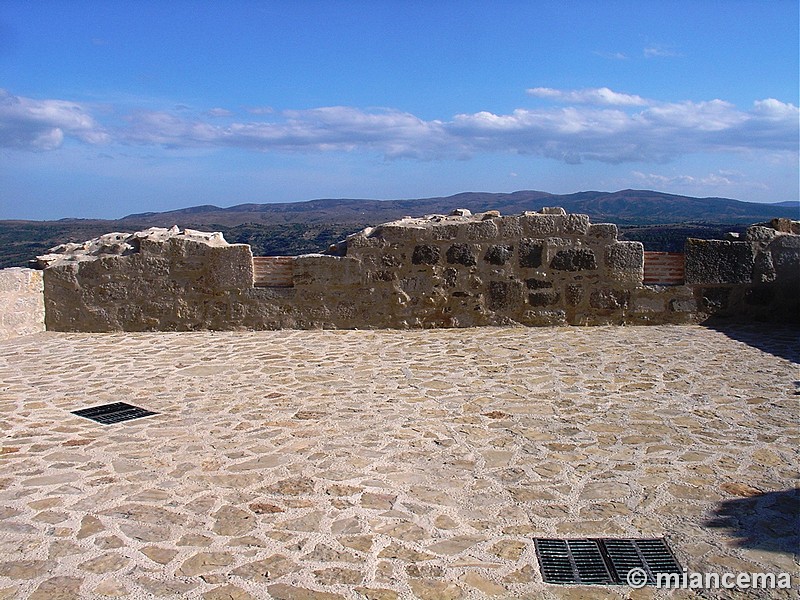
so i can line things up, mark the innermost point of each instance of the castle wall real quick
(546, 268)
(21, 302)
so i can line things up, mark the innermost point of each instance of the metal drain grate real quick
(602, 561)
(117, 412)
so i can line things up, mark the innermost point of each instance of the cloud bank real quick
(596, 124)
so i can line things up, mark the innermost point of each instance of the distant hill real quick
(626, 207)
(661, 221)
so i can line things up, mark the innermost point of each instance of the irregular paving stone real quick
(204, 562)
(294, 486)
(267, 569)
(231, 520)
(159, 588)
(159, 555)
(281, 591)
(336, 575)
(376, 593)
(407, 554)
(740, 489)
(58, 588)
(454, 545)
(377, 501)
(265, 508)
(25, 569)
(228, 592)
(428, 589)
(480, 582)
(508, 549)
(111, 588)
(104, 564)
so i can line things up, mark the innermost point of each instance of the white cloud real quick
(660, 52)
(29, 124)
(601, 96)
(595, 124)
(219, 112)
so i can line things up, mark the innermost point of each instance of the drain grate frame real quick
(116, 412)
(602, 561)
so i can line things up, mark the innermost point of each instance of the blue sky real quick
(114, 107)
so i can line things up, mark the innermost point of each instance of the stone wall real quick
(459, 270)
(757, 276)
(21, 302)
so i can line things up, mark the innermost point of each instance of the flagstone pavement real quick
(323, 465)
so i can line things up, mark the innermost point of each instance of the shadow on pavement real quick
(777, 339)
(765, 521)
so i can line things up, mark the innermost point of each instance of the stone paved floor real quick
(379, 465)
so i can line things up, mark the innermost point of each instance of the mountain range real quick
(625, 207)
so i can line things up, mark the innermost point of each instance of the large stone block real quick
(499, 254)
(718, 261)
(574, 259)
(461, 254)
(625, 261)
(425, 254)
(530, 253)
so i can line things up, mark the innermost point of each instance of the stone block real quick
(478, 231)
(785, 253)
(625, 261)
(499, 254)
(538, 225)
(574, 259)
(504, 295)
(425, 254)
(530, 253)
(573, 294)
(543, 298)
(602, 231)
(322, 270)
(538, 284)
(718, 261)
(575, 225)
(461, 254)
(609, 299)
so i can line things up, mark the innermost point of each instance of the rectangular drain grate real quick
(117, 412)
(602, 561)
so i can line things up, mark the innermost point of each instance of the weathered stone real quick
(425, 255)
(625, 260)
(609, 299)
(204, 562)
(228, 592)
(574, 259)
(159, 555)
(716, 261)
(530, 253)
(543, 298)
(21, 302)
(106, 563)
(429, 589)
(499, 254)
(58, 588)
(461, 254)
(504, 294)
(282, 591)
(377, 593)
(573, 294)
(334, 575)
(231, 520)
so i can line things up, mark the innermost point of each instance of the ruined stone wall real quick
(21, 302)
(460, 270)
(757, 276)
